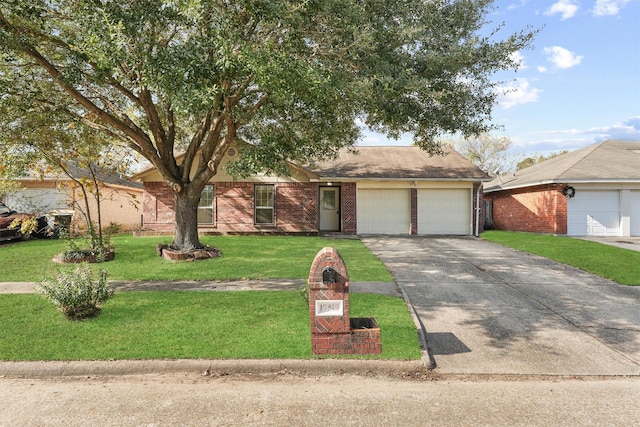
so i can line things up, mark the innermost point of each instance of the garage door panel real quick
(594, 213)
(635, 213)
(384, 211)
(444, 211)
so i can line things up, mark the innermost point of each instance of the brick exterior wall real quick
(158, 207)
(414, 211)
(538, 209)
(295, 208)
(349, 208)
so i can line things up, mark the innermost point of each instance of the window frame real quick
(257, 203)
(212, 207)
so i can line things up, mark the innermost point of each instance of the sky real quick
(578, 85)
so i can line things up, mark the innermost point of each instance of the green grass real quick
(617, 264)
(216, 325)
(244, 257)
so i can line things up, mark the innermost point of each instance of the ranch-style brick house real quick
(593, 191)
(374, 190)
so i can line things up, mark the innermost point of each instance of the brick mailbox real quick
(332, 330)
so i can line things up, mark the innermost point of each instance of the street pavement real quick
(488, 309)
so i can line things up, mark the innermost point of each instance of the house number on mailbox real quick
(329, 308)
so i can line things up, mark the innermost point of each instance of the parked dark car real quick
(7, 216)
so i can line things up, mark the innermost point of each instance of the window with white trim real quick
(263, 204)
(205, 206)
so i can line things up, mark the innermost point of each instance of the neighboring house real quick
(593, 191)
(54, 194)
(376, 190)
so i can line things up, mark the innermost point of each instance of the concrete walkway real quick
(382, 288)
(488, 309)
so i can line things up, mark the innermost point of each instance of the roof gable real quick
(611, 160)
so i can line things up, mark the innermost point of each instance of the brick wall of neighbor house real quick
(539, 209)
(296, 208)
(349, 208)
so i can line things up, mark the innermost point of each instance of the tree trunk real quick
(186, 222)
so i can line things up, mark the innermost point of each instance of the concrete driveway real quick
(493, 310)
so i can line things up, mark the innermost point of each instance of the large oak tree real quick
(283, 80)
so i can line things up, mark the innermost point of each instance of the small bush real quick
(77, 293)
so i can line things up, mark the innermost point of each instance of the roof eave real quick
(563, 181)
(355, 179)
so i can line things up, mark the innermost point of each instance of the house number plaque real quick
(325, 308)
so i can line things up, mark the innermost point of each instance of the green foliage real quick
(530, 161)
(27, 226)
(77, 293)
(282, 80)
(112, 229)
(191, 325)
(617, 264)
(81, 249)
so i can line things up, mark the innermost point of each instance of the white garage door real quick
(444, 211)
(594, 213)
(635, 213)
(384, 211)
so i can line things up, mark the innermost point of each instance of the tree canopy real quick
(282, 80)
(487, 151)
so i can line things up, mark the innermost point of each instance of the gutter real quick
(477, 233)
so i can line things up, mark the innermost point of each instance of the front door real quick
(330, 208)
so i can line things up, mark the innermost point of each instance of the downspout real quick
(478, 210)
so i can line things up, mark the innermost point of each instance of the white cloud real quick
(561, 57)
(566, 8)
(608, 7)
(548, 141)
(518, 59)
(518, 93)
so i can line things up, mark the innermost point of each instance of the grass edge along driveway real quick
(617, 264)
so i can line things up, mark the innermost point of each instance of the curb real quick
(206, 367)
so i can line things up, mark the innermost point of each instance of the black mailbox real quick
(328, 276)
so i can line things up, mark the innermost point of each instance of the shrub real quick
(26, 226)
(77, 293)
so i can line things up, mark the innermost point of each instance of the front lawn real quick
(214, 325)
(617, 264)
(244, 257)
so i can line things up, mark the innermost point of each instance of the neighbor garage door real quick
(594, 213)
(384, 211)
(635, 213)
(444, 211)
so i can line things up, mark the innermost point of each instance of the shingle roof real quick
(398, 163)
(105, 176)
(608, 161)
